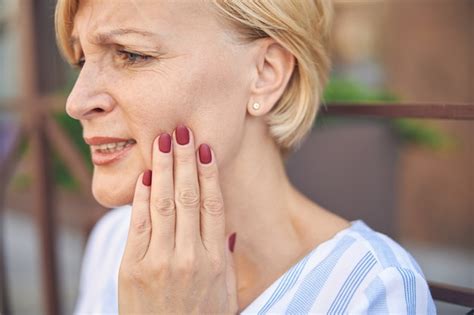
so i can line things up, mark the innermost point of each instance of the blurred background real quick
(412, 179)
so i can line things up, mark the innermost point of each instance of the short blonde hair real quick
(300, 26)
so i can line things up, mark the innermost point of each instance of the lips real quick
(105, 150)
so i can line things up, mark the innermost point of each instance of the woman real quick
(190, 109)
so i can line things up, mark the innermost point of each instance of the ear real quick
(274, 67)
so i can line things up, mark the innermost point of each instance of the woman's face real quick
(148, 66)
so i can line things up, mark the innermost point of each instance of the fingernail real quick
(182, 135)
(146, 180)
(232, 241)
(164, 143)
(205, 155)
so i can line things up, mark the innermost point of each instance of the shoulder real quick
(360, 271)
(385, 251)
(373, 273)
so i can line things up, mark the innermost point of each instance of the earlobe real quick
(254, 108)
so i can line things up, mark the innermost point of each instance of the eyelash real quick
(128, 57)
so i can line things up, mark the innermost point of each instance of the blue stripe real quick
(351, 291)
(377, 297)
(338, 299)
(309, 289)
(285, 284)
(413, 290)
(382, 250)
(282, 286)
(354, 279)
(410, 289)
(278, 290)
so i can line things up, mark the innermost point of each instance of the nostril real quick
(85, 104)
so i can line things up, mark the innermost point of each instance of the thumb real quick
(231, 279)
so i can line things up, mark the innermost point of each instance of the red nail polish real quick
(232, 241)
(164, 143)
(205, 154)
(182, 135)
(146, 180)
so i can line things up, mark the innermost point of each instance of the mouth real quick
(108, 150)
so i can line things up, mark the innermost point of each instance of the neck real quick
(261, 206)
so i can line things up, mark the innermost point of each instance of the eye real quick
(132, 57)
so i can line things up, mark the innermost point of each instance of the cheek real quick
(193, 92)
(201, 95)
(221, 96)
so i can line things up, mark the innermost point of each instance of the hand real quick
(176, 259)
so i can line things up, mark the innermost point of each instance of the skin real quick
(201, 76)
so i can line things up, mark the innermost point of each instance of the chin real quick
(112, 191)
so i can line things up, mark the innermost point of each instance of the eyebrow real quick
(107, 37)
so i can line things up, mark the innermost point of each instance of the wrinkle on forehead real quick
(170, 20)
(106, 12)
(145, 12)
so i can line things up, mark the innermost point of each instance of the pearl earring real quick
(256, 106)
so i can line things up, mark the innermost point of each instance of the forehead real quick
(164, 15)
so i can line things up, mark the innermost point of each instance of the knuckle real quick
(187, 265)
(160, 267)
(188, 198)
(209, 173)
(164, 206)
(141, 224)
(213, 205)
(185, 158)
(165, 164)
(217, 265)
(131, 275)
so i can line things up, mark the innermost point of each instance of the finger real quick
(162, 205)
(186, 189)
(140, 223)
(212, 203)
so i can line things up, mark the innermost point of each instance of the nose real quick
(89, 97)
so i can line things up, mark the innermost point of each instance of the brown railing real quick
(387, 110)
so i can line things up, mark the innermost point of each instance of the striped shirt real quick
(358, 271)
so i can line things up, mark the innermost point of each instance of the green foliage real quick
(417, 132)
(412, 131)
(338, 90)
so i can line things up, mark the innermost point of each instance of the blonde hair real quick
(300, 26)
